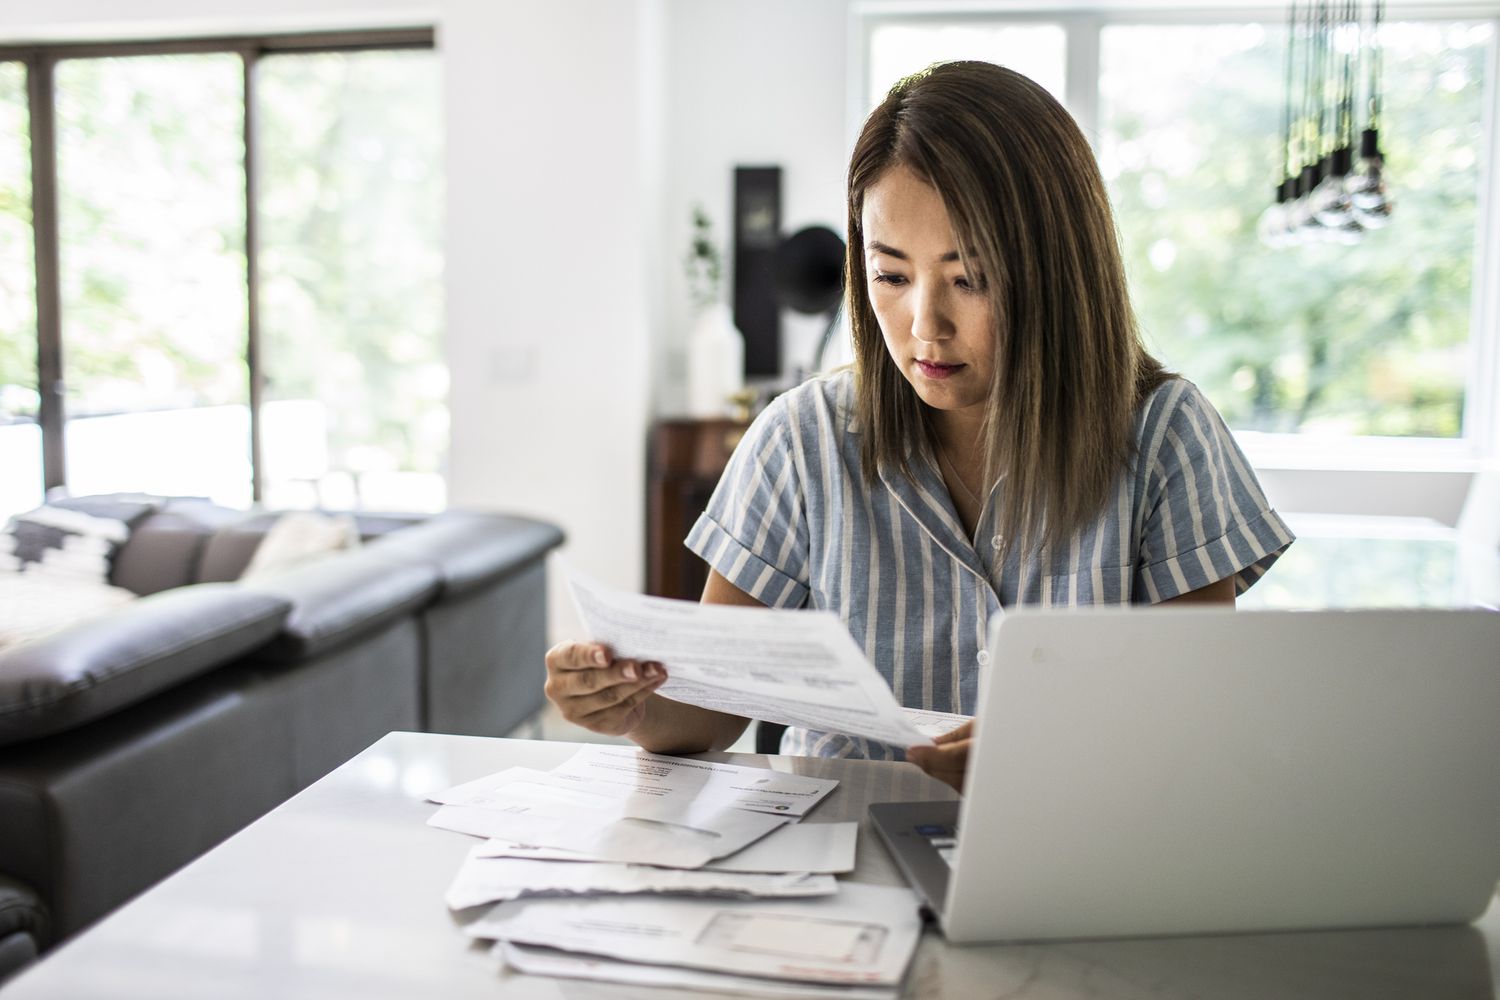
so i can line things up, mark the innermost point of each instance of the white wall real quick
(550, 140)
(749, 84)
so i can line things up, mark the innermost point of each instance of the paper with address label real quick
(863, 935)
(536, 961)
(798, 668)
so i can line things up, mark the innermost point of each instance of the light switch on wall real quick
(514, 364)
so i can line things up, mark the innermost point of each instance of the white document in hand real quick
(826, 848)
(491, 880)
(934, 724)
(535, 807)
(865, 935)
(606, 768)
(799, 668)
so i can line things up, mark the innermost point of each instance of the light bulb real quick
(1303, 221)
(1375, 216)
(1366, 186)
(1348, 233)
(1331, 203)
(1273, 227)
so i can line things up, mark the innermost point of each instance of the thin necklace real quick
(942, 457)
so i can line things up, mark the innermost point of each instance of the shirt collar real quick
(925, 497)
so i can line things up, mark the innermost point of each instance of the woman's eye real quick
(969, 284)
(883, 278)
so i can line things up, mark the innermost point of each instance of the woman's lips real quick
(937, 370)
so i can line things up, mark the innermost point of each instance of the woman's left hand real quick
(949, 760)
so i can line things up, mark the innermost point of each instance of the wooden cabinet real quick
(684, 463)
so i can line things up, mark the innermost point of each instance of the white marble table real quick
(338, 894)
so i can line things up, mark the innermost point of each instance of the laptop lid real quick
(1192, 771)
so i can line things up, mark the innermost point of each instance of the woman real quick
(1003, 438)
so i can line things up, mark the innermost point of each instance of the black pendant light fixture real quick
(1366, 186)
(1325, 194)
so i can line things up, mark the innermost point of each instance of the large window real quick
(239, 242)
(351, 279)
(1317, 348)
(151, 212)
(20, 435)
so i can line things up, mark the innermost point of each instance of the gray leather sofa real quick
(132, 743)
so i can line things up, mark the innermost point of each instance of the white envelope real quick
(865, 935)
(533, 807)
(491, 880)
(609, 769)
(564, 965)
(492, 789)
(823, 848)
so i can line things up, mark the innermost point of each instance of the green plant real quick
(703, 264)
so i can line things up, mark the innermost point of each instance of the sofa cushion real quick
(102, 665)
(230, 549)
(165, 548)
(470, 550)
(338, 600)
(229, 553)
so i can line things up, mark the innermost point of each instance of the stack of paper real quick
(626, 866)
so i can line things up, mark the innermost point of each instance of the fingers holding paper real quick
(594, 690)
(948, 760)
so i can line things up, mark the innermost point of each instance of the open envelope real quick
(815, 848)
(484, 880)
(534, 807)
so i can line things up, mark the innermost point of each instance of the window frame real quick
(1083, 22)
(40, 61)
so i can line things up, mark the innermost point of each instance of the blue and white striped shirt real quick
(793, 524)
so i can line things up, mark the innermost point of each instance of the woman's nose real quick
(930, 321)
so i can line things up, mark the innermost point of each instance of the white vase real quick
(716, 362)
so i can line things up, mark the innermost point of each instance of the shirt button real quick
(997, 542)
(983, 657)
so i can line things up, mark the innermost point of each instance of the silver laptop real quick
(1197, 771)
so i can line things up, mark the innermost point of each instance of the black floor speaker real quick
(757, 234)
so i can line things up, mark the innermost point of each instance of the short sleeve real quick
(754, 531)
(1206, 516)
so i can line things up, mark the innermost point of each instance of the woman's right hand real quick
(598, 692)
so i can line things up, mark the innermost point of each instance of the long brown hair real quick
(1029, 209)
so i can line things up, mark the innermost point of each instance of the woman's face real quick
(934, 316)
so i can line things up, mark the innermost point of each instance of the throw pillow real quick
(298, 536)
(77, 538)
